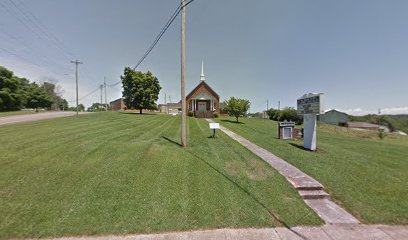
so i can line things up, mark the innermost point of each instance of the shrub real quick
(216, 115)
(190, 114)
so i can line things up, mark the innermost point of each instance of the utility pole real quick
(76, 80)
(106, 99)
(101, 87)
(183, 80)
(278, 105)
(267, 105)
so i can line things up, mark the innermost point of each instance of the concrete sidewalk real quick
(35, 117)
(308, 188)
(329, 232)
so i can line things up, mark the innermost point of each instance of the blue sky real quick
(355, 52)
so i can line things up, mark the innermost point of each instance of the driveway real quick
(35, 117)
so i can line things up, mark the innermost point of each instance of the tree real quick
(273, 114)
(54, 91)
(63, 105)
(140, 90)
(236, 107)
(13, 90)
(290, 114)
(38, 97)
(96, 107)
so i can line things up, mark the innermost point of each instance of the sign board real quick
(286, 124)
(311, 103)
(214, 125)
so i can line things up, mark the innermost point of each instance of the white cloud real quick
(389, 110)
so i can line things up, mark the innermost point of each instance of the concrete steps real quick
(313, 194)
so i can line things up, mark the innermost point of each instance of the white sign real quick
(286, 124)
(214, 125)
(309, 131)
(311, 103)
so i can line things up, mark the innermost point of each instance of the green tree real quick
(236, 107)
(140, 90)
(38, 97)
(13, 90)
(290, 114)
(96, 107)
(273, 114)
(63, 104)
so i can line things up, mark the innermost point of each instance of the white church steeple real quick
(202, 76)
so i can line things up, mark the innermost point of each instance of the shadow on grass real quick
(307, 150)
(272, 214)
(137, 113)
(230, 121)
(171, 141)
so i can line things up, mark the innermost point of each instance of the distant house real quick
(117, 105)
(203, 100)
(170, 108)
(334, 117)
(362, 125)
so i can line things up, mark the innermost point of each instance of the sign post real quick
(214, 126)
(309, 105)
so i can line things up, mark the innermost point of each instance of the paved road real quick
(34, 117)
(329, 232)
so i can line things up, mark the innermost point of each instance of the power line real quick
(28, 61)
(159, 36)
(41, 33)
(56, 39)
(87, 95)
(164, 29)
(166, 26)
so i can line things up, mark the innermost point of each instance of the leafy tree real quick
(38, 97)
(140, 90)
(13, 90)
(236, 107)
(273, 114)
(96, 107)
(53, 90)
(81, 108)
(290, 114)
(63, 105)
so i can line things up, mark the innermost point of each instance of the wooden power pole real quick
(183, 80)
(76, 80)
(106, 99)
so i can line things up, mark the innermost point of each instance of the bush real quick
(286, 114)
(216, 115)
(190, 114)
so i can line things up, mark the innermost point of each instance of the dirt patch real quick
(251, 168)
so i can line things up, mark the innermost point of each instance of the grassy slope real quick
(367, 175)
(124, 173)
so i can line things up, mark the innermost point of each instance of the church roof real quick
(203, 83)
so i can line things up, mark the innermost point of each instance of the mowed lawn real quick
(116, 173)
(365, 174)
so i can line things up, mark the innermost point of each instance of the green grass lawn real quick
(21, 112)
(366, 175)
(113, 173)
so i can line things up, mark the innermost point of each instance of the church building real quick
(203, 101)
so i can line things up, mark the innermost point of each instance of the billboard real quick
(311, 103)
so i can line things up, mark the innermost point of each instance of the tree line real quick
(17, 93)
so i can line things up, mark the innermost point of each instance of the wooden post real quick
(183, 81)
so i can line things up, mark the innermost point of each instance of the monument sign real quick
(309, 105)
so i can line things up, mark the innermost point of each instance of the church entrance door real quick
(202, 106)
